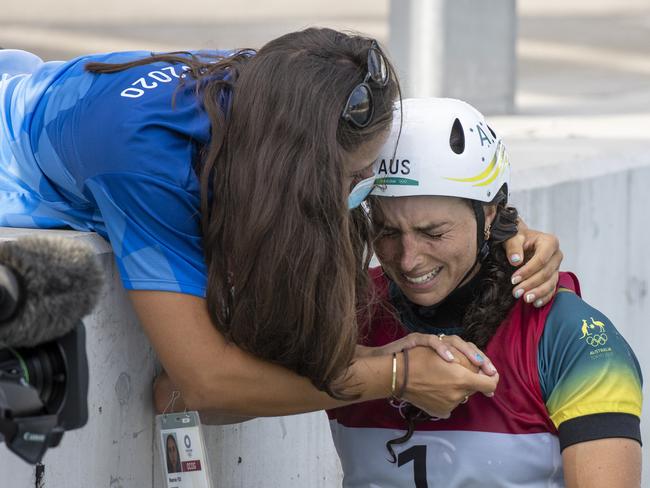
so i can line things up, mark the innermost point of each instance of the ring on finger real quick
(440, 336)
(465, 400)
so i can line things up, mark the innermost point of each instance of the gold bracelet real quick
(393, 383)
(402, 387)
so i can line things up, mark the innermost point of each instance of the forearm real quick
(246, 385)
(238, 384)
(214, 375)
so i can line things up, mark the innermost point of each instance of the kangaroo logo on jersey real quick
(593, 333)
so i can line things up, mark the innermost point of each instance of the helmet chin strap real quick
(482, 246)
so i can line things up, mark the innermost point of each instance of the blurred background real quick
(582, 56)
(566, 83)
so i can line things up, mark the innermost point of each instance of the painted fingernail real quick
(515, 279)
(515, 258)
(492, 368)
(519, 293)
(449, 355)
(538, 302)
(479, 358)
(530, 297)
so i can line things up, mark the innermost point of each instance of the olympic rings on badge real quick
(596, 340)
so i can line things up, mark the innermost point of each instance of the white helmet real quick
(445, 148)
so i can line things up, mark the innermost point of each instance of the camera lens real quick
(42, 368)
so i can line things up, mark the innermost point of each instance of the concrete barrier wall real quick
(602, 223)
(603, 226)
(115, 448)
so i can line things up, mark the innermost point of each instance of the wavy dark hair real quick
(494, 301)
(492, 304)
(286, 259)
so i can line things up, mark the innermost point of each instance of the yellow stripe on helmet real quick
(481, 176)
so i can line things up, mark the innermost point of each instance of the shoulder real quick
(566, 307)
(586, 367)
(576, 331)
(571, 320)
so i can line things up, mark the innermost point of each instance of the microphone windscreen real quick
(60, 280)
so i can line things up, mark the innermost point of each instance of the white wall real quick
(603, 226)
(114, 448)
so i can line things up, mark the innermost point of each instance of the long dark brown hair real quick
(286, 259)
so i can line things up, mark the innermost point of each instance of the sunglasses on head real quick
(359, 107)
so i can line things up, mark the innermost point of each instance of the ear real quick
(490, 214)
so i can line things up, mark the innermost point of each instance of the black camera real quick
(46, 287)
(43, 393)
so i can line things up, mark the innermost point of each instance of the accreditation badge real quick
(182, 450)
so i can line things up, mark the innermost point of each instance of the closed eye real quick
(430, 233)
(435, 231)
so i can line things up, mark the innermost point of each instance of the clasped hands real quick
(443, 372)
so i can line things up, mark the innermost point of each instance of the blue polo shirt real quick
(111, 153)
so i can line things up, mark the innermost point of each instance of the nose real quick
(410, 256)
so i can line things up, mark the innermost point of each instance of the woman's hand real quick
(437, 387)
(536, 280)
(451, 348)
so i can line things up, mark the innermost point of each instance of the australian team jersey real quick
(110, 153)
(566, 376)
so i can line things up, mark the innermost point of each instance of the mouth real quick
(422, 280)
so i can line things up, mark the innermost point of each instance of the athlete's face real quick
(359, 164)
(426, 244)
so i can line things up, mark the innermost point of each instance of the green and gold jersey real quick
(589, 376)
